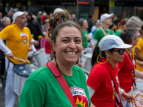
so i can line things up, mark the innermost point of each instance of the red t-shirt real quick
(101, 81)
(48, 48)
(125, 73)
(43, 19)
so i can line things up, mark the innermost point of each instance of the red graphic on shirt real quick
(24, 40)
(79, 97)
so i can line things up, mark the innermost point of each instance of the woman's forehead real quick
(69, 31)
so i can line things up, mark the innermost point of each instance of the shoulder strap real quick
(103, 31)
(61, 81)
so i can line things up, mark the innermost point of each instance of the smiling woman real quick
(42, 88)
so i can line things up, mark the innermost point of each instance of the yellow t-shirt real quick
(140, 47)
(17, 40)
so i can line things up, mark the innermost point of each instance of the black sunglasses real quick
(121, 51)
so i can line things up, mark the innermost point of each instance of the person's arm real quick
(94, 80)
(139, 63)
(138, 74)
(4, 34)
(34, 42)
(91, 91)
(32, 95)
(138, 56)
(126, 96)
(4, 48)
(93, 43)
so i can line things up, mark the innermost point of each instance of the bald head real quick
(21, 21)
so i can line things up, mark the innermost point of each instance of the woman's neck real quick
(84, 29)
(113, 64)
(111, 30)
(65, 69)
(121, 29)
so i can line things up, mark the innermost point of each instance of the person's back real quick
(90, 23)
(118, 33)
(99, 34)
(34, 28)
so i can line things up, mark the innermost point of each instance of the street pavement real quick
(2, 96)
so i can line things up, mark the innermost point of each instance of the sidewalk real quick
(2, 96)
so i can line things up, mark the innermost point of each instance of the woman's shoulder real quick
(118, 31)
(101, 68)
(40, 74)
(78, 69)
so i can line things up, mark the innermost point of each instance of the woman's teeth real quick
(71, 53)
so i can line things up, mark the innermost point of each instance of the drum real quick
(138, 96)
(138, 93)
(21, 73)
(39, 58)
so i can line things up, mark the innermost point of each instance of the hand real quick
(128, 97)
(10, 55)
(141, 64)
(36, 43)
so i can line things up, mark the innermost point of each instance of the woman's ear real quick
(107, 53)
(132, 42)
(53, 45)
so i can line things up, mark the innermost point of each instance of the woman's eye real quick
(77, 41)
(65, 40)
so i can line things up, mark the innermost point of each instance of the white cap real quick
(57, 10)
(112, 41)
(16, 14)
(105, 16)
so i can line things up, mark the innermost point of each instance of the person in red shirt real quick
(126, 68)
(103, 83)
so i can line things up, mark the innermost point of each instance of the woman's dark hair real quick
(62, 25)
(63, 15)
(95, 54)
(122, 22)
(128, 34)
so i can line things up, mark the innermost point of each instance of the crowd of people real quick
(116, 48)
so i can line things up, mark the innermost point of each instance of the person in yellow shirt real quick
(17, 38)
(139, 50)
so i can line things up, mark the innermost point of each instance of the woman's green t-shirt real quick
(42, 89)
(84, 38)
(118, 33)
